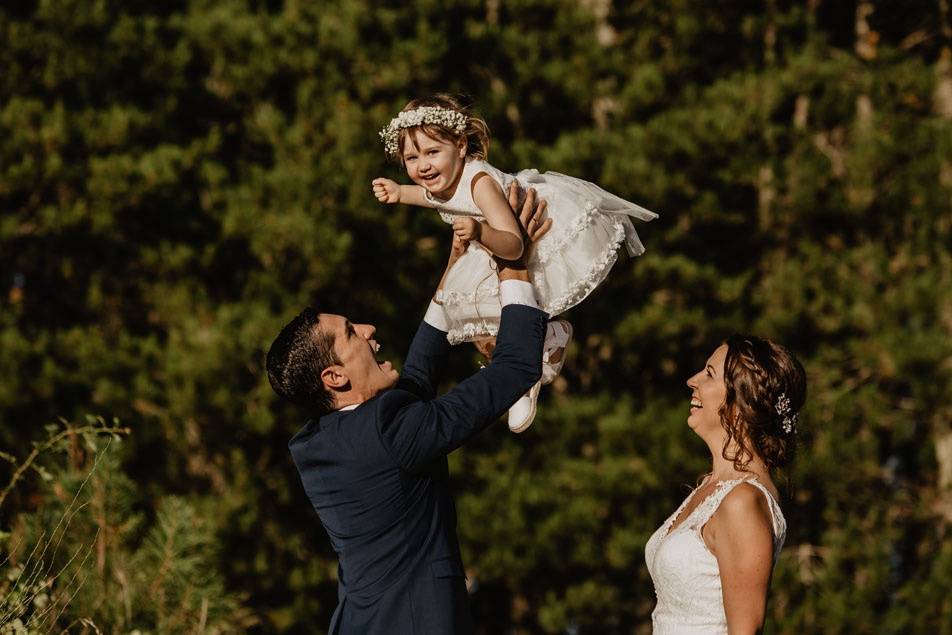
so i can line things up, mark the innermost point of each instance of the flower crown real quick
(789, 418)
(446, 117)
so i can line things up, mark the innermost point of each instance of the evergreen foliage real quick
(89, 557)
(178, 179)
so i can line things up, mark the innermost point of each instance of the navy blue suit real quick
(378, 478)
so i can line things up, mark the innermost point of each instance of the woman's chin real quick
(695, 423)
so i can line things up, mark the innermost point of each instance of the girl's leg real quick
(486, 346)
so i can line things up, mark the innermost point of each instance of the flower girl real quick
(443, 149)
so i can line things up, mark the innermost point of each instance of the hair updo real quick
(759, 375)
(476, 132)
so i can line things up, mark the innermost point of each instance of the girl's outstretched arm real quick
(388, 191)
(500, 233)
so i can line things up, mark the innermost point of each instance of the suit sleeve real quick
(417, 432)
(424, 362)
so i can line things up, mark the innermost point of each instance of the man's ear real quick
(334, 378)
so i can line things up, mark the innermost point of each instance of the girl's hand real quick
(467, 229)
(386, 191)
(458, 249)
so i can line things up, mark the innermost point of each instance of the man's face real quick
(355, 347)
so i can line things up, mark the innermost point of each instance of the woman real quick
(711, 560)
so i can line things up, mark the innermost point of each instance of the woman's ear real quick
(461, 145)
(334, 378)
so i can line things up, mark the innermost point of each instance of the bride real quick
(712, 558)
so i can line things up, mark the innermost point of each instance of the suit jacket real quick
(378, 478)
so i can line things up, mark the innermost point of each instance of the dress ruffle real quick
(582, 287)
(567, 264)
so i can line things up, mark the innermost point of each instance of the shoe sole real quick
(532, 413)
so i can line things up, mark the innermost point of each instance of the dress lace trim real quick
(575, 294)
(454, 298)
(600, 265)
(557, 243)
(705, 510)
(472, 329)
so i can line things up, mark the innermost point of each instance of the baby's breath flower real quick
(448, 118)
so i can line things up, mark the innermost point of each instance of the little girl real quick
(443, 149)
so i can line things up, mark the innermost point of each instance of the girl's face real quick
(433, 163)
(708, 393)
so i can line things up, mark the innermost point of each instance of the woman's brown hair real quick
(766, 387)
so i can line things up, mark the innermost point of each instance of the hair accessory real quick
(790, 418)
(446, 117)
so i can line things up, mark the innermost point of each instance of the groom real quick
(373, 457)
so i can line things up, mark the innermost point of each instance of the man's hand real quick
(534, 224)
(458, 249)
(531, 215)
(386, 191)
(466, 228)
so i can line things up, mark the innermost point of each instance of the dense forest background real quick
(178, 179)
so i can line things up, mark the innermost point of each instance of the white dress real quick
(568, 263)
(686, 578)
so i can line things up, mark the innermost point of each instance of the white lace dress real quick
(567, 264)
(686, 578)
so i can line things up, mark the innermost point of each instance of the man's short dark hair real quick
(297, 358)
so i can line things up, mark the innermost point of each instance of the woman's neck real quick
(724, 469)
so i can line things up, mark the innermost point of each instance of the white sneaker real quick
(523, 411)
(557, 337)
(558, 333)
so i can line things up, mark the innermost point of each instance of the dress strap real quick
(710, 505)
(776, 515)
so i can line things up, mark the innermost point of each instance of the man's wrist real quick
(512, 270)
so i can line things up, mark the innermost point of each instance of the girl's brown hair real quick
(758, 373)
(476, 132)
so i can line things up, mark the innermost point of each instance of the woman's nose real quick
(367, 330)
(692, 382)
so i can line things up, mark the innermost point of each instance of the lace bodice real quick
(686, 577)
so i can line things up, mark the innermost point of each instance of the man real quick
(373, 458)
